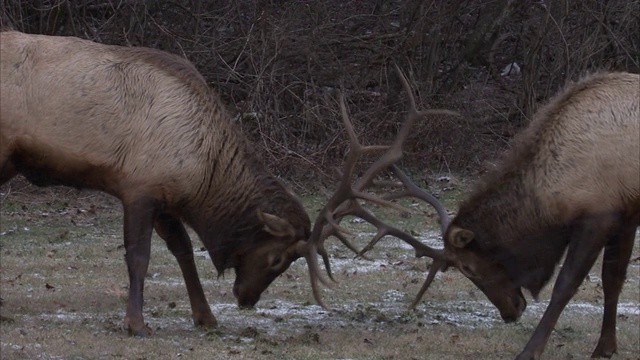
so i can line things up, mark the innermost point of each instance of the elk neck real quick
(515, 229)
(225, 215)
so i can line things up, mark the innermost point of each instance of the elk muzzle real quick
(514, 310)
(510, 302)
(258, 268)
(246, 299)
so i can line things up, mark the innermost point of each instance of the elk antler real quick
(345, 200)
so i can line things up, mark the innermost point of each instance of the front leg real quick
(139, 215)
(614, 270)
(174, 234)
(588, 237)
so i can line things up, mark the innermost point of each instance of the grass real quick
(64, 286)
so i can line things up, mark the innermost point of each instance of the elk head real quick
(258, 266)
(487, 274)
(345, 200)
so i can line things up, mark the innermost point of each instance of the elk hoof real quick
(137, 330)
(145, 331)
(207, 321)
(604, 350)
(525, 356)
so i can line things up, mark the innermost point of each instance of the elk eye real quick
(276, 262)
(468, 271)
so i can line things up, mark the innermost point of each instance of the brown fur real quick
(143, 125)
(576, 167)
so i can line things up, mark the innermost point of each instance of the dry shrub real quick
(280, 64)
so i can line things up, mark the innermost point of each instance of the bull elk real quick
(142, 125)
(570, 183)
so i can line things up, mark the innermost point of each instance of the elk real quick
(569, 184)
(142, 125)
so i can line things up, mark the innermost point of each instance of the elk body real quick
(142, 125)
(571, 183)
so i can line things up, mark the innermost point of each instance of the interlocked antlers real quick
(345, 200)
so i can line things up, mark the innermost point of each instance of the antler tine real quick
(439, 260)
(394, 152)
(326, 218)
(414, 114)
(436, 266)
(388, 159)
(335, 209)
(411, 189)
(385, 229)
(338, 214)
(355, 147)
(309, 251)
(345, 191)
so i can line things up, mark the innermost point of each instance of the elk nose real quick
(519, 305)
(245, 301)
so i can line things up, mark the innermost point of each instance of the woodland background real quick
(278, 65)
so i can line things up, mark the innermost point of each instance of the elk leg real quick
(7, 169)
(7, 173)
(139, 215)
(614, 270)
(174, 234)
(587, 239)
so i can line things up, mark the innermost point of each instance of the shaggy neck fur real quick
(228, 221)
(513, 227)
(227, 183)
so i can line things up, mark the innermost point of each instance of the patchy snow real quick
(278, 317)
(269, 317)
(431, 238)
(357, 265)
(626, 308)
(391, 307)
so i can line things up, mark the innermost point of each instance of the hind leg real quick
(7, 172)
(174, 234)
(614, 270)
(7, 168)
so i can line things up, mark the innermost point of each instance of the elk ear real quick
(276, 225)
(460, 237)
